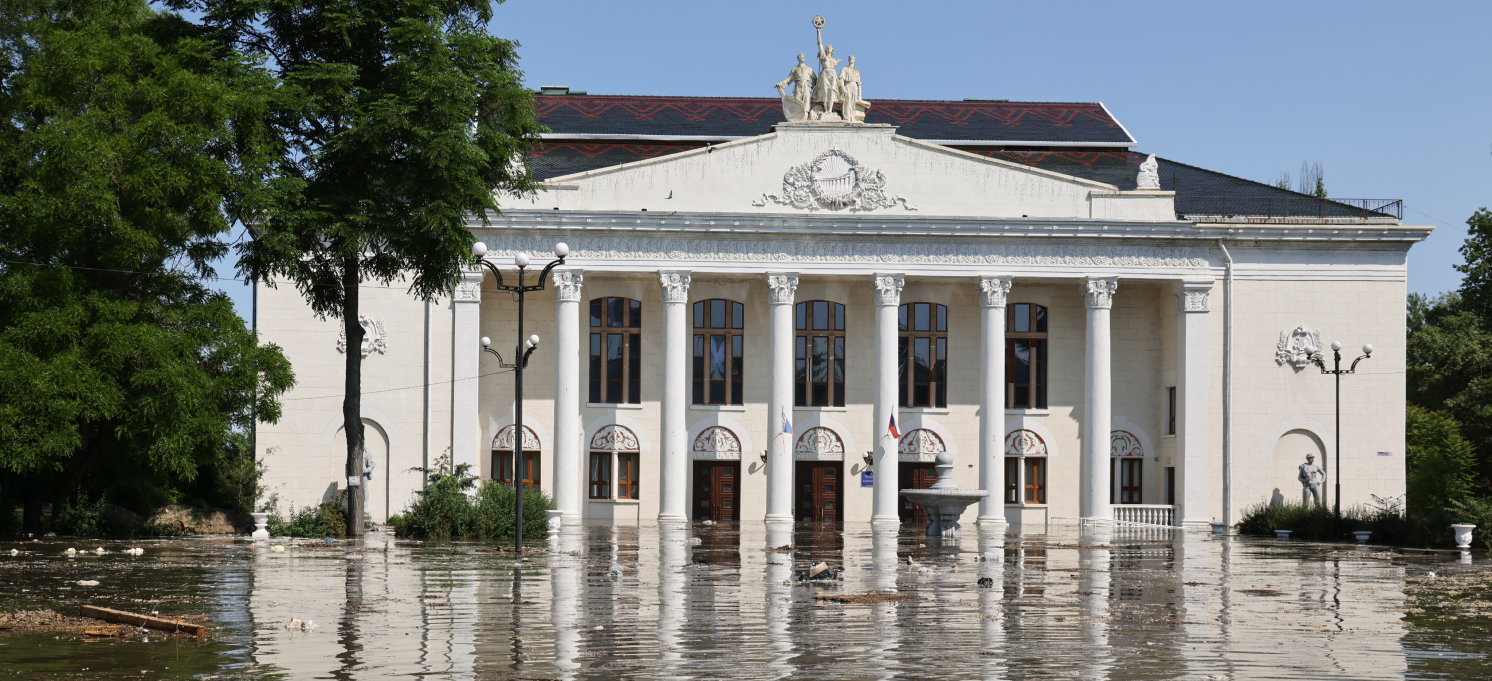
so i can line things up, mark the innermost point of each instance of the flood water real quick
(708, 602)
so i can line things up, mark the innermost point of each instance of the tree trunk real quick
(352, 410)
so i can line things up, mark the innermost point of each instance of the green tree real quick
(1476, 282)
(126, 131)
(1448, 362)
(1438, 461)
(396, 122)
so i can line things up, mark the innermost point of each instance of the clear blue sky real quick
(1392, 98)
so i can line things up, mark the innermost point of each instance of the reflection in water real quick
(716, 601)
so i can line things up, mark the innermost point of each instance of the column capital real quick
(675, 285)
(993, 290)
(567, 284)
(1192, 296)
(1098, 292)
(888, 288)
(781, 287)
(468, 287)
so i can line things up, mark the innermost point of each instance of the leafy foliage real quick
(446, 509)
(1385, 518)
(126, 133)
(327, 519)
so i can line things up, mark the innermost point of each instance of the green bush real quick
(1474, 511)
(446, 509)
(327, 519)
(1385, 518)
(82, 518)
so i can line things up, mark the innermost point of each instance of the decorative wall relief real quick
(504, 439)
(1024, 443)
(1124, 443)
(375, 338)
(920, 445)
(716, 442)
(1293, 347)
(834, 180)
(819, 444)
(614, 438)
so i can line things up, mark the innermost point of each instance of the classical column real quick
(1191, 399)
(780, 289)
(466, 354)
(992, 293)
(567, 467)
(1098, 294)
(888, 298)
(673, 464)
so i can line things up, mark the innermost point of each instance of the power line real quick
(390, 390)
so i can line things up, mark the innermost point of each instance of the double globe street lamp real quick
(1315, 356)
(520, 356)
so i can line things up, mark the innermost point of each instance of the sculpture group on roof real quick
(814, 96)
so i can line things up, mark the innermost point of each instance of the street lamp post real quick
(1336, 351)
(521, 355)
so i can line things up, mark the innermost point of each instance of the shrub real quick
(1475, 511)
(81, 518)
(1385, 518)
(327, 519)
(446, 509)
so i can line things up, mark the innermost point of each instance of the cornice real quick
(900, 227)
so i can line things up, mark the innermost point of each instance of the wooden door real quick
(818, 488)
(715, 490)
(915, 476)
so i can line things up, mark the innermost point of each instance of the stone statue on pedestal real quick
(849, 93)
(826, 90)
(795, 106)
(1311, 478)
(1149, 175)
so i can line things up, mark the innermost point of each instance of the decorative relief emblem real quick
(1149, 175)
(717, 442)
(1293, 347)
(374, 336)
(920, 445)
(819, 444)
(1024, 443)
(993, 290)
(1124, 443)
(504, 439)
(836, 181)
(469, 288)
(781, 287)
(614, 438)
(1191, 301)
(675, 286)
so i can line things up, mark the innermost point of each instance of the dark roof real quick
(721, 118)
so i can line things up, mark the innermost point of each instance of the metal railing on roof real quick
(1291, 209)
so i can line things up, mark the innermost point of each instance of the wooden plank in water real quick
(146, 621)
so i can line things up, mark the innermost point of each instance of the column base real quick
(779, 518)
(672, 518)
(885, 520)
(571, 517)
(1196, 524)
(992, 520)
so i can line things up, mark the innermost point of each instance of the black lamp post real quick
(1336, 351)
(521, 355)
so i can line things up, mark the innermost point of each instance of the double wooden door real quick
(715, 490)
(915, 476)
(818, 484)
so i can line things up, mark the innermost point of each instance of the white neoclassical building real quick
(749, 302)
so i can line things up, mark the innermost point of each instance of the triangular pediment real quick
(844, 169)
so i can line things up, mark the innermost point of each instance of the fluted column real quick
(887, 298)
(567, 467)
(781, 287)
(1191, 402)
(466, 355)
(992, 294)
(674, 459)
(1098, 294)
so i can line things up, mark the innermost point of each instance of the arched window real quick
(614, 463)
(924, 355)
(502, 456)
(819, 370)
(1025, 468)
(718, 351)
(616, 351)
(1025, 357)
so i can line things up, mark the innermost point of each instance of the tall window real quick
(614, 464)
(1130, 474)
(923, 350)
(616, 351)
(1025, 468)
(718, 350)
(626, 476)
(502, 467)
(819, 379)
(1171, 411)
(1025, 357)
(601, 475)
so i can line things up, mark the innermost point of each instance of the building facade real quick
(763, 318)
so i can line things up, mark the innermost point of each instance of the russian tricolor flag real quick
(894, 432)
(787, 423)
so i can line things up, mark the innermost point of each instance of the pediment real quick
(844, 169)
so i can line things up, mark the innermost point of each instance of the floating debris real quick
(88, 582)
(15, 552)
(873, 597)
(986, 582)
(72, 552)
(137, 551)
(278, 548)
(819, 572)
(100, 551)
(298, 625)
(695, 541)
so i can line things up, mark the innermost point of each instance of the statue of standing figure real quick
(814, 95)
(826, 90)
(849, 93)
(1311, 478)
(796, 106)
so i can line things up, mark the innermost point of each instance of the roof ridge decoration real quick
(834, 180)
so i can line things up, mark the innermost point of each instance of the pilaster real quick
(1192, 305)
(466, 354)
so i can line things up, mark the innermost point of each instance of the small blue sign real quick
(867, 478)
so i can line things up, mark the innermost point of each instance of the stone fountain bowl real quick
(944, 507)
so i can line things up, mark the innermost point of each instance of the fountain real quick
(944, 502)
